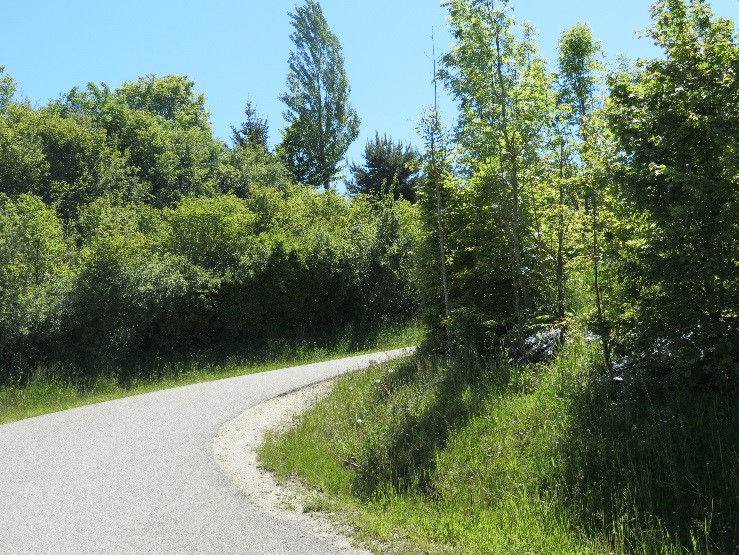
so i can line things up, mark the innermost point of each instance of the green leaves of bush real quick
(131, 280)
(35, 272)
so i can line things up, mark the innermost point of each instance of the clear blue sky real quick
(237, 49)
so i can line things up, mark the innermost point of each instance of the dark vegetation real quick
(389, 167)
(130, 237)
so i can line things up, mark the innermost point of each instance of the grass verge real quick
(471, 457)
(53, 388)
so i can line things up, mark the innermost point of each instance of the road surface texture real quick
(137, 475)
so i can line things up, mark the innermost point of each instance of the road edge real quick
(235, 449)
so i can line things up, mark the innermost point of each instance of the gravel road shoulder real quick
(235, 450)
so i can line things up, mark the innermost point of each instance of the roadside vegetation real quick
(138, 251)
(577, 389)
(426, 456)
(46, 389)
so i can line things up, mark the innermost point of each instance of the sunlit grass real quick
(50, 389)
(426, 457)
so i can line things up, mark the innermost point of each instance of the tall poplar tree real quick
(321, 121)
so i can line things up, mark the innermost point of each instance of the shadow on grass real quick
(648, 468)
(130, 366)
(401, 457)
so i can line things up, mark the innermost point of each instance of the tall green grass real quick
(44, 389)
(476, 456)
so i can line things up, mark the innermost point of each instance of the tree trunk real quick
(604, 333)
(560, 241)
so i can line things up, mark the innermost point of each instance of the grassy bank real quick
(52, 388)
(425, 457)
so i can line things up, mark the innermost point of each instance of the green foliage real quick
(159, 127)
(64, 158)
(244, 167)
(388, 167)
(22, 162)
(207, 273)
(675, 123)
(36, 269)
(7, 89)
(577, 71)
(578, 106)
(146, 140)
(321, 121)
(80, 165)
(171, 98)
(214, 233)
(541, 212)
(332, 263)
(489, 217)
(435, 186)
(168, 159)
(253, 132)
(130, 233)
(128, 295)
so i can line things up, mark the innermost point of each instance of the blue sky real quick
(237, 50)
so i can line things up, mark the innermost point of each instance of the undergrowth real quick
(49, 388)
(422, 456)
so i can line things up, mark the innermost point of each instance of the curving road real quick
(136, 475)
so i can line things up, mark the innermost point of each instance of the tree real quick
(243, 167)
(676, 122)
(434, 192)
(388, 166)
(34, 271)
(23, 164)
(321, 121)
(250, 161)
(577, 88)
(254, 132)
(503, 90)
(7, 89)
(170, 97)
(160, 126)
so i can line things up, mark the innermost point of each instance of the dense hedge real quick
(132, 279)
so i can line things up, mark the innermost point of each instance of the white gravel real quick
(235, 449)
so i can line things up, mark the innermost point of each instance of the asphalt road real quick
(136, 475)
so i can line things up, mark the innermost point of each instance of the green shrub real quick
(36, 271)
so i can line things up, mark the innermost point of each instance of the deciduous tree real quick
(503, 90)
(578, 81)
(676, 120)
(321, 121)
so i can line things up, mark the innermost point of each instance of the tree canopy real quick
(253, 132)
(675, 119)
